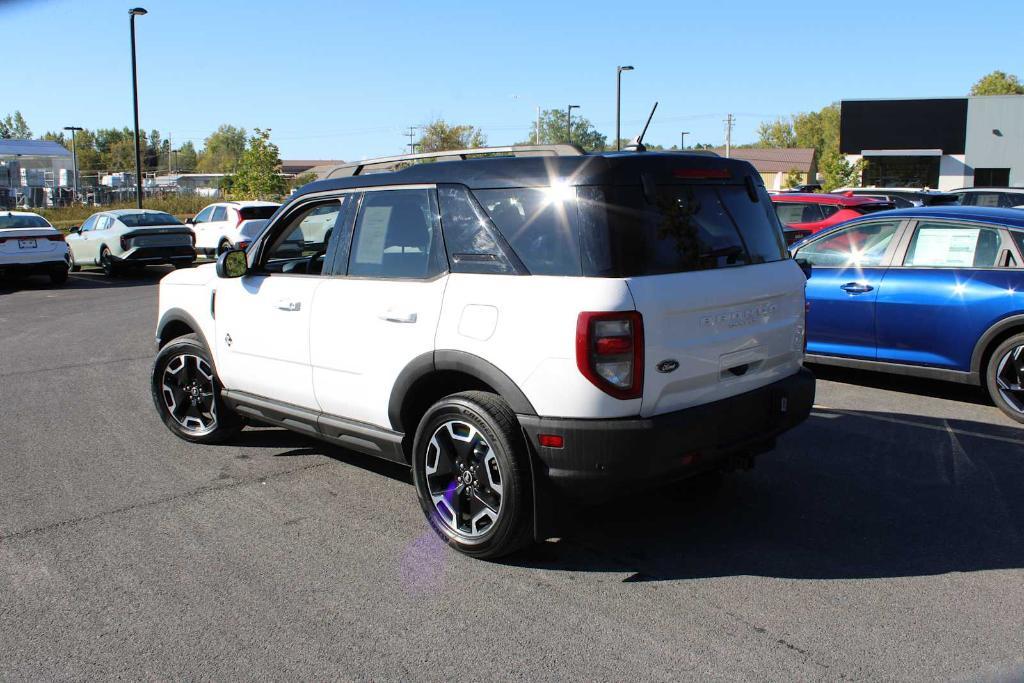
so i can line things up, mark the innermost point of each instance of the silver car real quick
(117, 239)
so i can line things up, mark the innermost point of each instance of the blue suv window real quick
(954, 245)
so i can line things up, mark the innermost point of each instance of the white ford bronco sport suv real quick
(522, 331)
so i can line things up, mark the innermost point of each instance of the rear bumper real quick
(44, 263)
(604, 458)
(158, 255)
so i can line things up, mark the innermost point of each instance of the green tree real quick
(777, 133)
(222, 150)
(553, 130)
(836, 171)
(14, 127)
(998, 83)
(795, 177)
(301, 179)
(258, 175)
(439, 136)
(818, 129)
(186, 159)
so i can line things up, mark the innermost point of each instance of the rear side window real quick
(797, 212)
(257, 212)
(685, 228)
(1019, 237)
(220, 214)
(472, 246)
(952, 245)
(540, 224)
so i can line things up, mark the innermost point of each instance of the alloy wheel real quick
(188, 393)
(1010, 378)
(463, 479)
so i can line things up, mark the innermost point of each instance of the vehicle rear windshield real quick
(144, 220)
(257, 212)
(23, 222)
(683, 228)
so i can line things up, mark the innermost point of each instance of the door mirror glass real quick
(232, 264)
(75, 230)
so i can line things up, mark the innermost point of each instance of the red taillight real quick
(610, 352)
(240, 219)
(59, 237)
(551, 440)
(702, 173)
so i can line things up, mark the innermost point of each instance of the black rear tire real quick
(1004, 377)
(110, 268)
(184, 371)
(490, 418)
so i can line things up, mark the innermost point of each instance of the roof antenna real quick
(637, 145)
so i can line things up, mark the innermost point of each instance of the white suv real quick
(230, 225)
(520, 331)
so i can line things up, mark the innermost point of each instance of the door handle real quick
(398, 317)
(856, 287)
(289, 305)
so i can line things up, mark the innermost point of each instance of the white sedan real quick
(117, 239)
(29, 244)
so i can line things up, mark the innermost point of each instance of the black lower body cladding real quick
(604, 458)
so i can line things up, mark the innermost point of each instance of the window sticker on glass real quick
(944, 247)
(373, 230)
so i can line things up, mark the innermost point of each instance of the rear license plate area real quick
(27, 244)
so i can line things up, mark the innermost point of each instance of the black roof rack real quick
(394, 163)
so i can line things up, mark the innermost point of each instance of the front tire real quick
(186, 393)
(472, 475)
(1004, 377)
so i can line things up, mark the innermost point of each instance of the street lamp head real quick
(137, 11)
(625, 68)
(72, 128)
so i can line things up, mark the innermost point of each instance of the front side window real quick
(859, 246)
(103, 222)
(954, 245)
(397, 236)
(797, 212)
(300, 245)
(219, 214)
(540, 224)
(90, 223)
(204, 215)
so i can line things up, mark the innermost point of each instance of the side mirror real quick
(190, 221)
(232, 263)
(75, 230)
(805, 266)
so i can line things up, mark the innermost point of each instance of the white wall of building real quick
(954, 172)
(995, 135)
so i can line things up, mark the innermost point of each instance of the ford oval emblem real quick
(668, 366)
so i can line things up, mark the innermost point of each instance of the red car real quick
(805, 214)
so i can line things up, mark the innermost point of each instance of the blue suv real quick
(934, 292)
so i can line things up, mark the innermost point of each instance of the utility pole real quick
(170, 146)
(74, 157)
(132, 13)
(412, 134)
(568, 120)
(682, 140)
(618, 105)
(536, 137)
(730, 121)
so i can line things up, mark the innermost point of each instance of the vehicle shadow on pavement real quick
(86, 279)
(846, 495)
(920, 386)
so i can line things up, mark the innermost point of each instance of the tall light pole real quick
(618, 104)
(132, 13)
(74, 158)
(568, 120)
(682, 140)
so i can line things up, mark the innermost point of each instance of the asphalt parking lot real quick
(884, 538)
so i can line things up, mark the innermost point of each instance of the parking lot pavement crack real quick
(71, 366)
(194, 493)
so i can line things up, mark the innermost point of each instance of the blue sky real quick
(345, 79)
